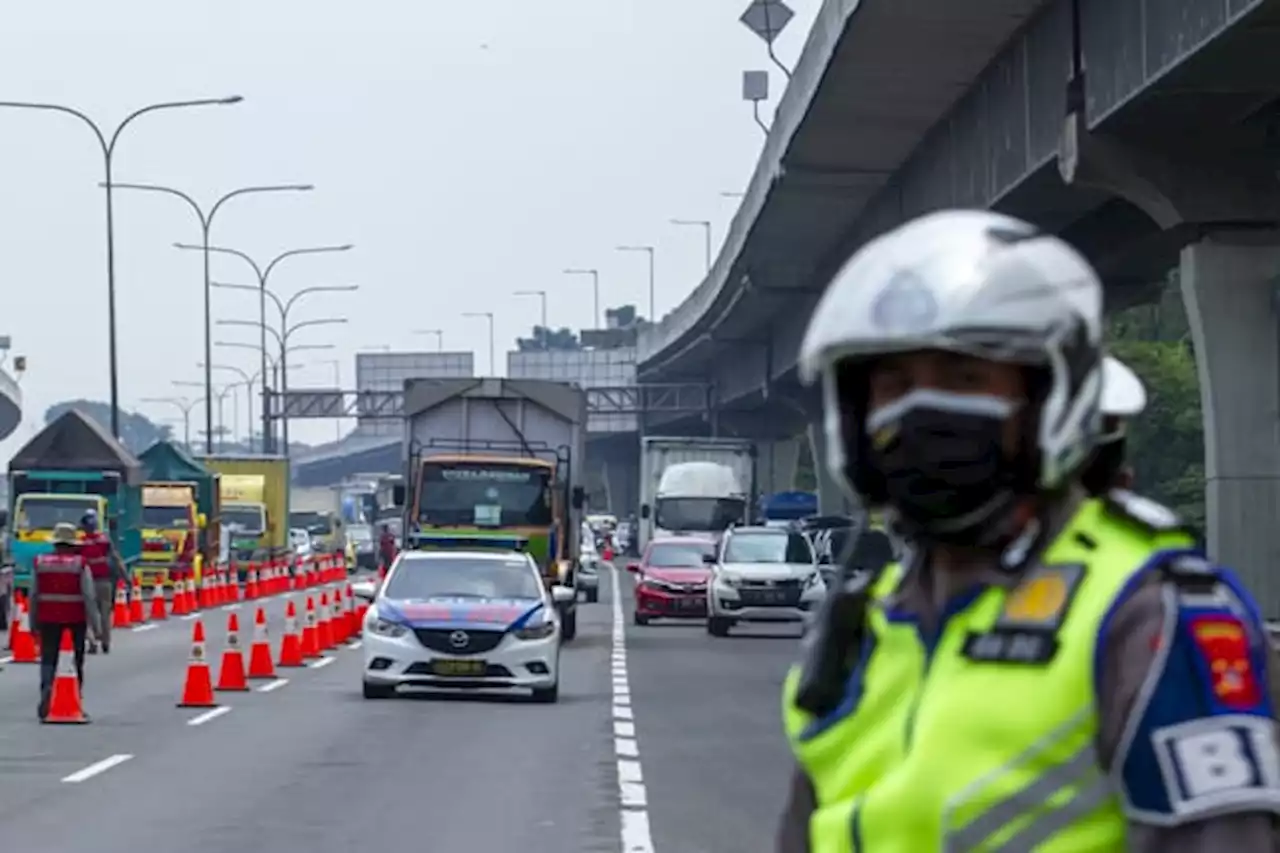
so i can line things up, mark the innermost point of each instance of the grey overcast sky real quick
(467, 148)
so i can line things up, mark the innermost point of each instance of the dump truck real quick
(71, 466)
(180, 504)
(497, 458)
(254, 495)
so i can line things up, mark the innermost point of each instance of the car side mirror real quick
(709, 559)
(562, 594)
(634, 568)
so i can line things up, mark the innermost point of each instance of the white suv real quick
(762, 574)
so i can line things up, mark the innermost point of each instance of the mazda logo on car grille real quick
(459, 639)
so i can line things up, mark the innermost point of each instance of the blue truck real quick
(71, 466)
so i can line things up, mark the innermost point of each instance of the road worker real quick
(107, 570)
(62, 599)
(1043, 670)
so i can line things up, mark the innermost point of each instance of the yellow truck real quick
(171, 525)
(254, 493)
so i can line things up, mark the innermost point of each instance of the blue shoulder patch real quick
(1201, 739)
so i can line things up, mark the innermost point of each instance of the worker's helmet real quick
(89, 521)
(970, 282)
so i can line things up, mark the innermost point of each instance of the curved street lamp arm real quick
(253, 324)
(167, 105)
(250, 287)
(213, 211)
(257, 270)
(331, 321)
(343, 288)
(71, 111)
(153, 188)
(310, 250)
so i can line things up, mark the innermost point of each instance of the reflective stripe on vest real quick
(981, 756)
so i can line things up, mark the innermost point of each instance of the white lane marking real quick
(325, 661)
(355, 644)
(190, 616)
(99, 767)
(149, 626)
(632, 797)
(211, 714)
(273, 685)
(6, 658)
(229, 607)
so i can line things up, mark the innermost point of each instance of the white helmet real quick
(970, 282)
(1123, 394)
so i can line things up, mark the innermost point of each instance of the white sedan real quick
(464, 620)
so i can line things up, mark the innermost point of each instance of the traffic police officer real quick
(62, 600)
(1043, 670)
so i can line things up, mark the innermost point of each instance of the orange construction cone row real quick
(197, 692)
(120, 613)
(136, 614)
(231, 675)
(310, 640)
(158, 613)
(251, 587)
(65, 706)
(337, 621)
(324, 624)
(260, 664)
(25, 648)
(291, 645)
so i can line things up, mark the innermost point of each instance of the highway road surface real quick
(664, 740)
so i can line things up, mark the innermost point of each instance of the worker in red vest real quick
(387, 548)
(62, 598)
(99, 553)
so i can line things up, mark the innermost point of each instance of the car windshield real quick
(484, 494)
(702, 514)
(166, 517)
(767, 547)
(458, 576)
(44, 513)
(677, 555)
(359, 534)
(315, 523)
(246, 519)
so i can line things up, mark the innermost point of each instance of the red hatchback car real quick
(671, 580)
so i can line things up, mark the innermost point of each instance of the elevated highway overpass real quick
(1145, 132)
(10, 405)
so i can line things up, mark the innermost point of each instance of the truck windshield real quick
(700, 514)
(484, 494)
(166, 517)
(315, 523)
(43, 513)
(247, 519)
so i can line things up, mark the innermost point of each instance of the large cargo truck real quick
(254, 495)
(497, 459)
(318, 510)
(712, 487)
(70, 467)
(180, 505)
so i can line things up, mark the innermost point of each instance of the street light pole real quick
(542, 295)
(247, 381)
(489, 315)
(108, 146)
(595, 289)
(206, 223)
(273, 366)
(706, 230)
(220, 395)
(264, 274)
(653, 314)
(283, 340)
(186, 406)
(439, 333)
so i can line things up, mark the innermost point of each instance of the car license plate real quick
(768, 596)
(459, 668)
(692, 604)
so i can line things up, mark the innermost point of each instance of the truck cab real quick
(700, 499)
(171, 526)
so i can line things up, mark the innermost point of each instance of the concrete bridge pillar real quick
(1229, 286)
(776, 464)
(831, 495)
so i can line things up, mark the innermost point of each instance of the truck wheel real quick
(569, 625)
(718, 626)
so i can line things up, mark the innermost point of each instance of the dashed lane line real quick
(273, 685)
(633, 798)
(209, 716)
(97, 768)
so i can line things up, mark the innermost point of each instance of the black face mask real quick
(944, 467)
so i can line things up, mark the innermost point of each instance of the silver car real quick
(762, 574)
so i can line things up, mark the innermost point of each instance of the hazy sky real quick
(468, 149)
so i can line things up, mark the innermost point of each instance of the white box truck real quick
(694, 485)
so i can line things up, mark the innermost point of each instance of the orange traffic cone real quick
(349, 599)
(260, 665)
(179, 597)
(337, 623)
(158, 613)
(136, 614)
(251, 587)
(120, 613)
(233, 587)
(15, 605)
(189, 593)
(291, 645)
(25, 648)
(231, 675)
(324, 624)
(64, 700)
(197, 692)
(310, 643)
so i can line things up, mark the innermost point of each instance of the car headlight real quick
(383, 628)
(813, 580)
(727, 580)
(539, 630)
